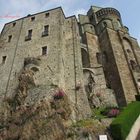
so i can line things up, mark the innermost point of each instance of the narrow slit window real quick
(3, 59)
(9, 38)
(99, 58)
(30, 33)
(44, 50)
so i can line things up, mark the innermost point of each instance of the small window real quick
(46, 30)
(32, 18)
(47, 15)
(44, 50)
(30, 33)
(9, 38)
(133, 64)
(99, 58)
(29, 36)
(128, 51)
(3, 59)
(14, 24)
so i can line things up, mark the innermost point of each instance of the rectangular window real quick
(47, 15)
(99, 58)
(29, 36)
(32, 18)
(30, 33)
(46, 30)
(3, 59)
(9, 38)
(44, 50)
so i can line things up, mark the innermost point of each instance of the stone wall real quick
(60, 67)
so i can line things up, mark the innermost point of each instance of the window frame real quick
(44, 50)
(4, 59)
(9, 38)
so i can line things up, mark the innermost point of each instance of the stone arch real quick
(85, 58)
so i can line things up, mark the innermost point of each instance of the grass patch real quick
(84, 123)
(96, 113)
(122, 125)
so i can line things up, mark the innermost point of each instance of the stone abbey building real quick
(92, 58)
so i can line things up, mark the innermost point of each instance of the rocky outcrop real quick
(31, 114)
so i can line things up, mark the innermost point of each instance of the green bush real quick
(122, 125)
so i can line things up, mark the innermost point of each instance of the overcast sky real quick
(129, 9)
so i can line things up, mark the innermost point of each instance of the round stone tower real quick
(106, 17)
(109, 17)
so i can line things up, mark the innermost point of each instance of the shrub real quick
(110, 112)
(59, 95)
(122, 125)
(113, 113)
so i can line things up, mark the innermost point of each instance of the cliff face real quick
(26, 116)
(45, 120)
(41, 119)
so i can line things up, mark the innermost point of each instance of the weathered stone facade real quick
(112, 49)
(94, 60)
